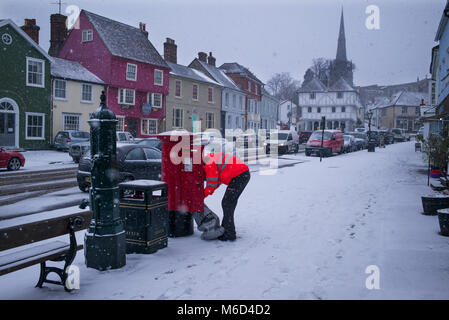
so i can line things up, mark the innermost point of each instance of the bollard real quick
(104, 242)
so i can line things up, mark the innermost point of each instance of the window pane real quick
(152, 154)
(135, 154)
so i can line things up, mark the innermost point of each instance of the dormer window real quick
(87, 35)
(312, 95)
(339, 95)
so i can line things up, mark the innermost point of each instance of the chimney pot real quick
(31, 29)
(202, 56)
(211, 59)
(170, 51)
(58, 33)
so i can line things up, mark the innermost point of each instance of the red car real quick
(333, 142)
(12, 160)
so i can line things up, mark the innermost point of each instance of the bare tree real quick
(321, 68)
(283, 86)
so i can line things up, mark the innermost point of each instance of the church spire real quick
(341, 49)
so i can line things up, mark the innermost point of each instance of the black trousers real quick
(229, 202)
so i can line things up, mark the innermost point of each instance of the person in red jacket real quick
(223, 168)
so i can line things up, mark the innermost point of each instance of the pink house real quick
(136, 75)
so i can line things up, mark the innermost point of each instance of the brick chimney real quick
(143, 28)
(211, 59)
(202, 56)
(170, 51)
(58, 33)
(31, 29)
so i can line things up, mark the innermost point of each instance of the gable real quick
(20, 41)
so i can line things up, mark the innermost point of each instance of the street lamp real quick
(371, 145)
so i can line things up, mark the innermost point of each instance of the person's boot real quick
(227, 237)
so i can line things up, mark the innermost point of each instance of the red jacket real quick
(221, 168)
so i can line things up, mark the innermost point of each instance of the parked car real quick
(12, 160)
(124, 136)
(361, 139)
(333, 142)
(286, 141)
(304, 136)
(399, 135)
(77, 150)
(133, 162)
(349, 143)
(388, 136)
(363, 130)
(64, 139)
(151, 142)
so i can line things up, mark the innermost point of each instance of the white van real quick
(285, 140)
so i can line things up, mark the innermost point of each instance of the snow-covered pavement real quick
(307, 232)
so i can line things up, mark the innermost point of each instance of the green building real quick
(25, 89)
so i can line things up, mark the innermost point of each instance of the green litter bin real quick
(144, 208)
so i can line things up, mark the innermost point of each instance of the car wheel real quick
(84, 187)
(76, 160)
(14, 164)
(296, 148)
(307, 154)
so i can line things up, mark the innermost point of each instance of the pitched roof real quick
(219, 76)
(190, 73)
(4, 22)
(313, 85)
(125, 41)
(234, 67)
(73, 70)
(406, 99)
(341, 85)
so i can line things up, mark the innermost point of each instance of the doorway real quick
(9, 123)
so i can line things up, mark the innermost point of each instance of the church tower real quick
(341, 67)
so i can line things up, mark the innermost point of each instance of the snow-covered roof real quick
(234, 67)
(341, 85)
(73, 70)
(404, 98)
(219, 76)
(125, 41)
(186, 72)
(313, 85)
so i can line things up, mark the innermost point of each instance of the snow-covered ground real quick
(45, 160)
(307, 232)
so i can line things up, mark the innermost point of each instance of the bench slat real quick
(31, 252)
(35, 260)
(16, 236)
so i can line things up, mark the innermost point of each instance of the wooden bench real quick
(25, 234)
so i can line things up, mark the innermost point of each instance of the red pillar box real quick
(182, 170)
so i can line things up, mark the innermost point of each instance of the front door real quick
(132, 127)
(7, 129)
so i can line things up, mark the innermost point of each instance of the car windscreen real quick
(281, 136)
(317, 135)
(396, 131)
(81, 134)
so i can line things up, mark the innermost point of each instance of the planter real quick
(443, 219)
(432, 203)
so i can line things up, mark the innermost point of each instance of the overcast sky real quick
(270, 36)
